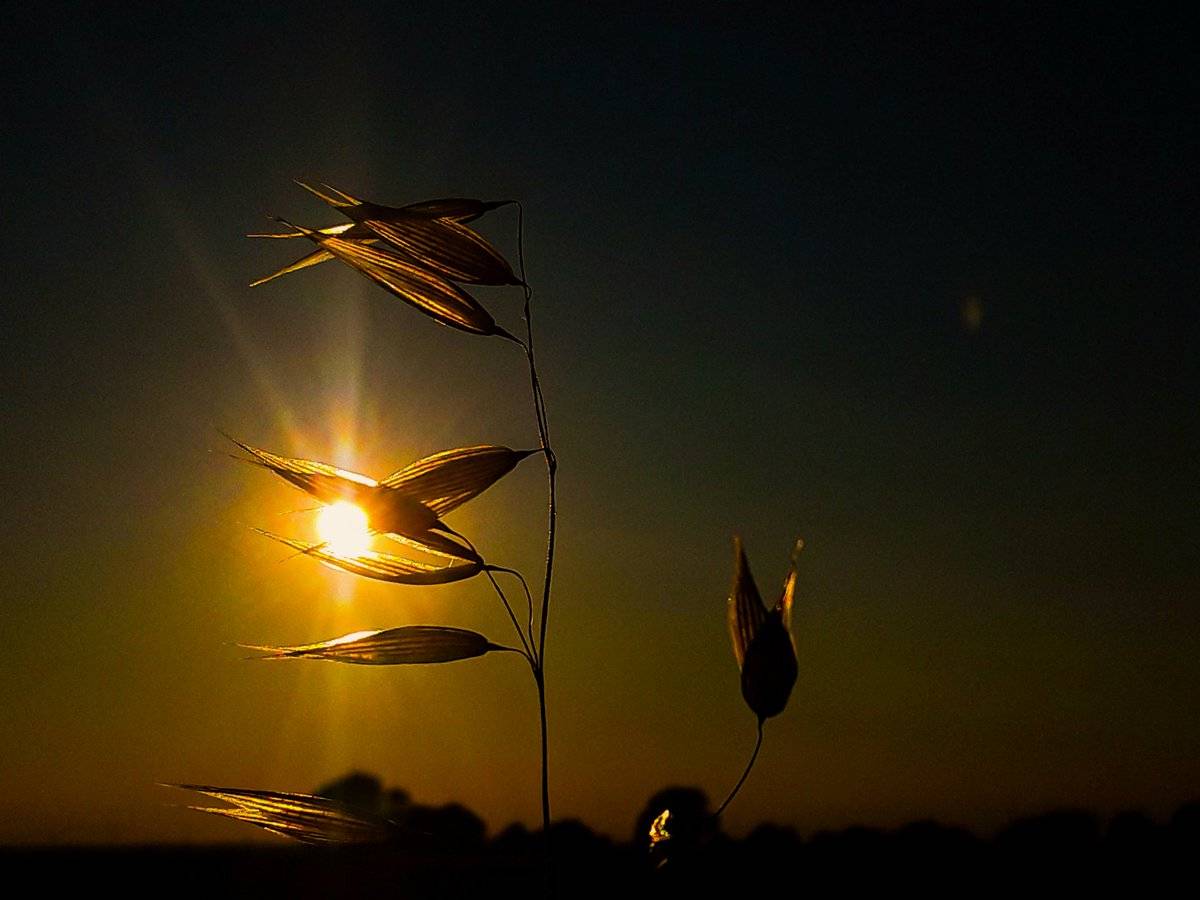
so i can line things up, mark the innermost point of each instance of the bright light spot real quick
(658, 828)
(343, 526)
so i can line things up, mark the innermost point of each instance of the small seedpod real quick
(762, 639)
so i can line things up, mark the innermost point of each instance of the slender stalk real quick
(750, 765)
(525, 651)
(528, 595)
(539, 408)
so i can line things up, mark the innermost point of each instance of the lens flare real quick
(343, 526)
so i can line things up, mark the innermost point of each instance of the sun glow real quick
(343, 526)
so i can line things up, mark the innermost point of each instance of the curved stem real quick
(487, 570)
(750, 765)
(525, 651)
(528, 595)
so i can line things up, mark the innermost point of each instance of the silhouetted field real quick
(1063, 851)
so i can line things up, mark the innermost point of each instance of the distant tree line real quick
(1067, 844)
(446, 853)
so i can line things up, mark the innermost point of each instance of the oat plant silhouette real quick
(424, 253)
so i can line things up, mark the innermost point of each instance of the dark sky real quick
(915, 283)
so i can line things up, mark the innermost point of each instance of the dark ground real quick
(1065, 851)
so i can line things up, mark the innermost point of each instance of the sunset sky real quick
(918, 285)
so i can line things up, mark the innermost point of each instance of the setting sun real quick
(343, 526)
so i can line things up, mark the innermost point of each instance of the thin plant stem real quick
(525, 651)
(539, 408)
(528, 595)
(487, 570)
(750, 765)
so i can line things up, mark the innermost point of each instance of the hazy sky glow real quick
(917, 286)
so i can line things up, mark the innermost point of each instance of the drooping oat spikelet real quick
(459, 209)
(446, 247)
(762, 640)
(425, 232)
(303, 817)
(325, 482)
(382, 566)
(350, 231)
(389, 511)
(407, 645)
(746, 610)
(309, 259)
(426, 290)
(456, 209)
(446, 480)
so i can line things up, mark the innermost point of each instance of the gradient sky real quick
(918, 285)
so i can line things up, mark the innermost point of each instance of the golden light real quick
(343, 526)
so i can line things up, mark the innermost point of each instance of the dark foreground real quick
(1065, 851)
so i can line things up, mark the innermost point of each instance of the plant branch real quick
(525, 651)
(528, 596)
(487, 570)
(750, 765)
